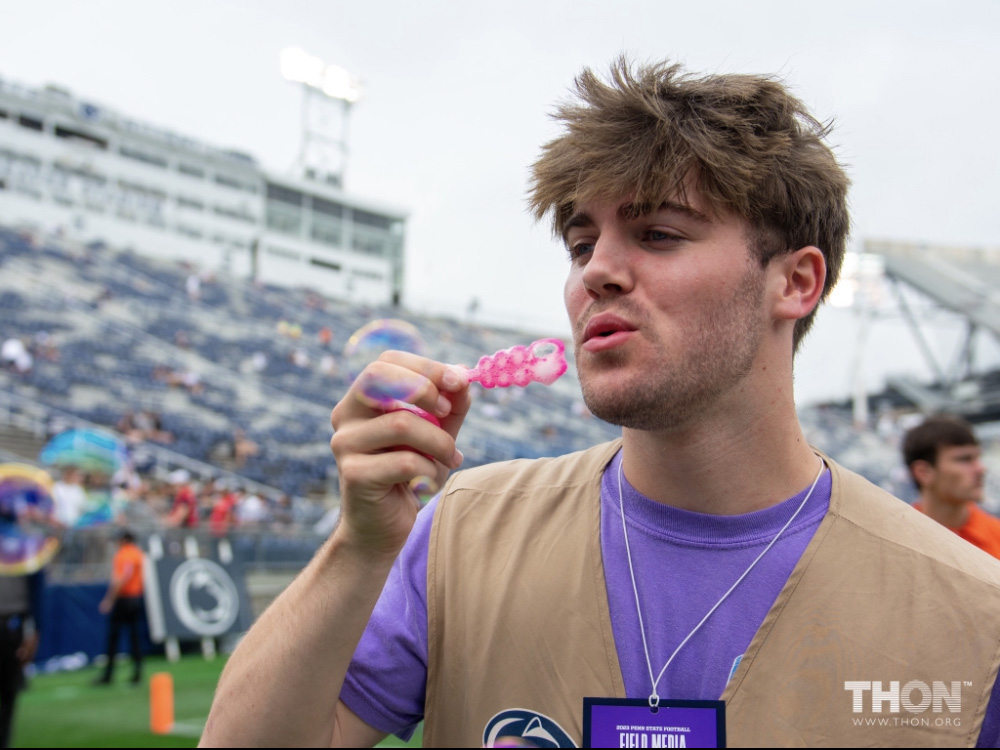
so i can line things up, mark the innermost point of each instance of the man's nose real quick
(609, 270)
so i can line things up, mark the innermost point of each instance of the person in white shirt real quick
(69, 497)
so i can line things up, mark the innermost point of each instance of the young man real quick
(710, 553)
(944, 459)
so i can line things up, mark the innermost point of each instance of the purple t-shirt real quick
(684, 563)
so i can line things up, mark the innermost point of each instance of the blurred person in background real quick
(252, 511)
(224, 500)
(124, 603)
(20, 606)
(945, 462)
(184, 511)
(69, 497)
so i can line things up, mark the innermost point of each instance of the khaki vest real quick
(518, 617)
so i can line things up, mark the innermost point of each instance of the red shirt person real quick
(184, 512)
(944, 459)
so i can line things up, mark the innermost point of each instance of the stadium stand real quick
(113, 331)
(125, 333)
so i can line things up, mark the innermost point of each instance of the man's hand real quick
(27, 650)
(379, 450)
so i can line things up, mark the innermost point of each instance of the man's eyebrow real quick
(633, 211)
(577, 220)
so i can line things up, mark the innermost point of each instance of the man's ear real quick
(798, 279)
(923, 472)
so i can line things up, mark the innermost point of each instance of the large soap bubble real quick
(25, 507)
(372, 339)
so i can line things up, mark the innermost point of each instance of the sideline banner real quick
(195, 597)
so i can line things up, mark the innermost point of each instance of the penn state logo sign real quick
(538, 730)
(204, 597)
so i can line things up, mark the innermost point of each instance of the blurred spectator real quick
(252, 510)
(69, 497)
(124, 602)
(259, 361)
(184, 513)
(325, 336)
(14, 355)
(188, 379)
(222, 515)
(136, 509)
(145, 425)
(328, 365)
(45, 347)
(20, 608)
(282, 516)
(192, 285)
(243, 447)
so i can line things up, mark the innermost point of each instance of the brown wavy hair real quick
(746, 144)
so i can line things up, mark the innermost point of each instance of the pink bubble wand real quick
(542, 361)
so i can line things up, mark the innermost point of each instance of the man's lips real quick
(605, 326)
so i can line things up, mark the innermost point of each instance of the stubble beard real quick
(671, 394)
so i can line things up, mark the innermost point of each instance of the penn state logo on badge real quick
(204, 597)
(520, 723)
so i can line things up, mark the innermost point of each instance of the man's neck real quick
(952, 515)
(725, 466)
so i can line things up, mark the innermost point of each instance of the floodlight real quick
(299, 66)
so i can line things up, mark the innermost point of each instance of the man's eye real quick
(657, 235)
(577, 250)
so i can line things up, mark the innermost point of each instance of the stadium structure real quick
(65, 161)
(963, 281)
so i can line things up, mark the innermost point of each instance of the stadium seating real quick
(127, 332)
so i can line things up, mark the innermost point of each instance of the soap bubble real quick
(423, 487)
(372, 339)
(24, 500)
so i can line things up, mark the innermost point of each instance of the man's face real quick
(666, 308)
(957, 476)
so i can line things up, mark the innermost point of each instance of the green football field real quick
(66, 710)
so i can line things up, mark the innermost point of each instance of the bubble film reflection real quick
(24, 502)
(368, 342)
(423, 487)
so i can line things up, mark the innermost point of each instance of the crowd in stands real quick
(236, 356)
(242, 376)
(177, 501)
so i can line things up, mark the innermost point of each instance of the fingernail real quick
(443, 406)
(454, 377)
(457, 459)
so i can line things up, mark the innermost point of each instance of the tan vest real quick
(518, 617)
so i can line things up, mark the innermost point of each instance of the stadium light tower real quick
(328, 91)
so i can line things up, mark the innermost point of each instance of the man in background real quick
(945, 461)
(124, 602)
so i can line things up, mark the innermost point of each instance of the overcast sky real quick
(457, 103)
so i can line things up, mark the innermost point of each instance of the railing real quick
(38, 418)
(85, 554)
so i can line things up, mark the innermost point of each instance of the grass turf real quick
(67, 710)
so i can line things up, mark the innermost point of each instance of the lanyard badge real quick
(625, 722)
